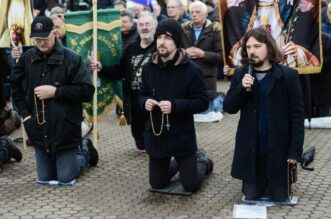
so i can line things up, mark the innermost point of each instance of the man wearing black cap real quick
(49, 84)
(172, 91)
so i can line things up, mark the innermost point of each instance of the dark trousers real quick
(254, 190)
(192, 172)
(4, 155)
(138, 120)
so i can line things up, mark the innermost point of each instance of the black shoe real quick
(203, 157)
(94, 156)
(13, 151)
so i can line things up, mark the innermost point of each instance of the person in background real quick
(119, 4)
(326, 19)
(157, 11)
(130, 70)
(39, 7)
(138, 8)
(59, 27)
(128, 30)
(175, 10)
(202, 41)
(321, 83)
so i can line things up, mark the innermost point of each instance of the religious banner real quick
(79, 38)
(294, 24)
(15, 23)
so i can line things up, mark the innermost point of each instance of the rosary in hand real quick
(42, 120)
(162, 122)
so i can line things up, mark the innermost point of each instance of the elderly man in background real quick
(202, 40)
(175, 10)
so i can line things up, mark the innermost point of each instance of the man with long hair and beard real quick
(270, 132)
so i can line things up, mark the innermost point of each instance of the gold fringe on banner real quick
(88, 26)
(122, 120)
(117, 100)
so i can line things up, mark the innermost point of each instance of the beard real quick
(163, 52)
(258, 63)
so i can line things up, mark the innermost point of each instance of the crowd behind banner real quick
(215, 45)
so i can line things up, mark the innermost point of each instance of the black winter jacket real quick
(65, 70)
(179, 81)
(125, 70)
(284, 120)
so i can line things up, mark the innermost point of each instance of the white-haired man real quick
(130, 69)
(202, 40)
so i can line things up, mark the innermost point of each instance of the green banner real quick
(80, 39)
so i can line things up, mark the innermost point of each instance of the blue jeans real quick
(63, 166)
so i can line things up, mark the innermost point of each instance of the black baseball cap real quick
(41, 27)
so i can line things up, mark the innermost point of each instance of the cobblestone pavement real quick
(118, 186)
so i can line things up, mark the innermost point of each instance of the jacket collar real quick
(277, 70)
(207, 23)
(182, 57)
(276, 74)
(56, 57)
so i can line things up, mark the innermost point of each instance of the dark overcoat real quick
(284, 120)
(179, 81)
(210, 42)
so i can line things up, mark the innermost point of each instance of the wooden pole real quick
(95, 77)
(24, 137)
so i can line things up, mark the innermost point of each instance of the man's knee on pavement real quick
(190, 186)
(65, 175)
(158, 183)
(46, 176)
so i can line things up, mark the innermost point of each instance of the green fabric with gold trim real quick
(79, 38)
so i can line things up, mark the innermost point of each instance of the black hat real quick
(41, 27)
(171, 28)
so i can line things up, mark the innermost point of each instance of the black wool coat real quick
(179, 81)
(284, 119)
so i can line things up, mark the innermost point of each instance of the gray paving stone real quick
(118, 186)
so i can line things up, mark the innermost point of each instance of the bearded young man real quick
(270, 132)
(172, 91)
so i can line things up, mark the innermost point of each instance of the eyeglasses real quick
(148, 24)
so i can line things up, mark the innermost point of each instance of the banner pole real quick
(95, 78)
(24, 137)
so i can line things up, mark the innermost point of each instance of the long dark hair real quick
(263, 36)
